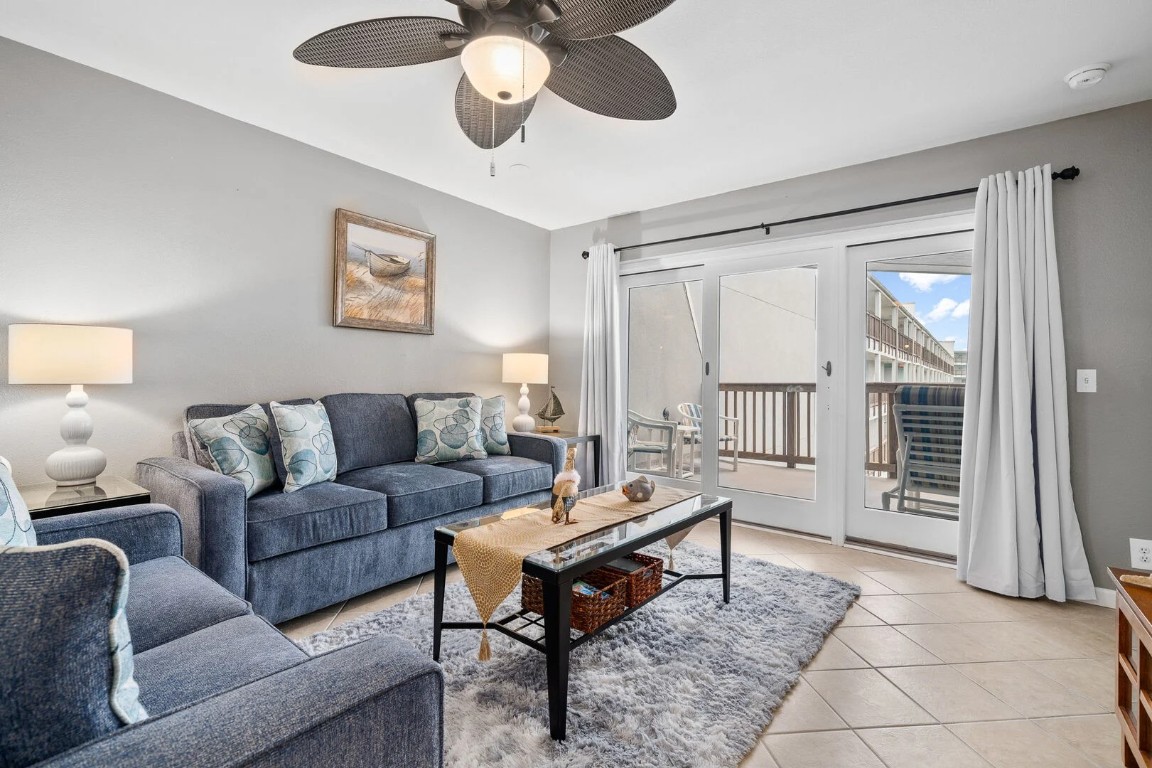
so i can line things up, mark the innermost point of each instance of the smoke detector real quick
(1086, 77)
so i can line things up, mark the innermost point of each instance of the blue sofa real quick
(293, 553)
(222, 686)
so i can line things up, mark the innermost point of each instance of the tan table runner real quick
(491, 556)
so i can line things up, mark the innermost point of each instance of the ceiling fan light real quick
(505, 69)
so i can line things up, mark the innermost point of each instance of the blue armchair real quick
(222, 686)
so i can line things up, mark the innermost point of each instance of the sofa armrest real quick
(530, 445)
(143, 531)
(212, 507)
(377, 703)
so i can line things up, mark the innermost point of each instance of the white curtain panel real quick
(601, 390)
(1019, 534)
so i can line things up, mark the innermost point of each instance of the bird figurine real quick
(640, 489)
(565, 488)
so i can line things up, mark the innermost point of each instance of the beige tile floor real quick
(922, 671)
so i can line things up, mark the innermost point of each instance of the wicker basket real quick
(646, 582)
(589, 612)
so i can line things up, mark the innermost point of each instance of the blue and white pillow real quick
(493, 432)
(15, 523)
(306, 444)
(239, 447)
(448, 430)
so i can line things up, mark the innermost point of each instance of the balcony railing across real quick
(778, 423)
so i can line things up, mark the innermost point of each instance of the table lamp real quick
(66, 354)
(524, 369)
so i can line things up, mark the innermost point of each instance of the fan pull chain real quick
(492, 165)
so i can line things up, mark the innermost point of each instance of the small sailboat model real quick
(551, 413)
(385, 264)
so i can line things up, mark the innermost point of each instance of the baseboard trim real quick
(1106, 598)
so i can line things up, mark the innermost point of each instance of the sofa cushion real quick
(306, 443)
(169, 599)
(433, 396)
(371, 430)
(448, 430)
(211, 661)
(507, 476)
(212, 411)
(238, 446)
(67, 676)
(493, 433)
(286, 522)
(418, 491)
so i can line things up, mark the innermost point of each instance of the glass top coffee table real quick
(558, 567)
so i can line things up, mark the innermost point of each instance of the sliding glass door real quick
(661, 318)
(907, 361)
(820, 386)
(768, 404)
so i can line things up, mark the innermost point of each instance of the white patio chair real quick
(652, 437)
(729, 429)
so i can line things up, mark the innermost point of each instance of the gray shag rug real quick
(685, 682)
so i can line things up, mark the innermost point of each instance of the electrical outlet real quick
(1141, 553)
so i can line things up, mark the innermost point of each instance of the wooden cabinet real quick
(1134, 670)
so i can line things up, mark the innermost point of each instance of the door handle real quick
(827, 367)
(707, 369)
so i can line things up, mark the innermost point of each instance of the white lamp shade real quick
(505, 69)
(523, 368)
(69, 354)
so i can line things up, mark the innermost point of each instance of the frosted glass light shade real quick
(522, 368)
(69, 354)
(505, 69)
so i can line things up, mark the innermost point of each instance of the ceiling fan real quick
(511, 49)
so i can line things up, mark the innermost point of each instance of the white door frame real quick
(644, 280)
(815, 515)
(845, 498)
(902, 529)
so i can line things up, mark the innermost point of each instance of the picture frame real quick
(385, 275)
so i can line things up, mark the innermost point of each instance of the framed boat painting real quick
(385, 275)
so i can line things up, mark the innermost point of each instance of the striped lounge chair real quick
(929, 427)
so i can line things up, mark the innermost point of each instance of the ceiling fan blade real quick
(474, 113)
(398, 41)
(588, 19)
(612, 77)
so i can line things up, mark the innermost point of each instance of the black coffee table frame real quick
(556, 621)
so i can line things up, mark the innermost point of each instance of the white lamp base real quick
(77, 463)
(524, 422)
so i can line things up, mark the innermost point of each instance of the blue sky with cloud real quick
(941, 301)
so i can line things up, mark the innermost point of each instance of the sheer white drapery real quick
(1019, 534)
(601, 390)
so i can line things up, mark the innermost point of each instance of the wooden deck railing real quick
(897, 344)
(778, 423)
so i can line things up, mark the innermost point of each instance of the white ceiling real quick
(767, 89)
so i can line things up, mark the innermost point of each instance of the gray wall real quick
(1104, 242)
(213, 240)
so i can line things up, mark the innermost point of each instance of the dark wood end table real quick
(50, 500)
(558, 567)
(575, 438)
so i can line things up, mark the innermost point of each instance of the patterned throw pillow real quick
(493, 433)
(306, 443)
(15, 522)
(448, 430)
(239, 447)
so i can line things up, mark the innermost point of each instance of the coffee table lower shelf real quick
(503, 626)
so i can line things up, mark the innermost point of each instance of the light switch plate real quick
(1086, 380)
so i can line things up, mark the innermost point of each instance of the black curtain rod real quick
(1068, 173)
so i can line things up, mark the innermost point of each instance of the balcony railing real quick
(896, 344)
(778, 423)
